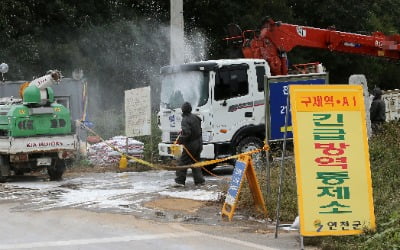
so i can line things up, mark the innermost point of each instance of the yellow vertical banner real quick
(332, 160)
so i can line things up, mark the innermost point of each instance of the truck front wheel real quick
(56, 170)
(252, 143)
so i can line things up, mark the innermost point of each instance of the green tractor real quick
(35, 131)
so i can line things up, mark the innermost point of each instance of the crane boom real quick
(275, 39)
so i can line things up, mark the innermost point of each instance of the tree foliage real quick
(121, 44)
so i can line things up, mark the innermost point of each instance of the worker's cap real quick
(186, 108)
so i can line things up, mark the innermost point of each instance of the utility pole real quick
(177, 55)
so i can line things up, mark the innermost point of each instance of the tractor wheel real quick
(4, 168)
(56, 170)
(19, 172)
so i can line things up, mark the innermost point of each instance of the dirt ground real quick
(176, 204)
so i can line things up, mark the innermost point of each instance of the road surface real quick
(125, 211)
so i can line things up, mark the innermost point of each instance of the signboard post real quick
(332, 160)
(137, 112)
(243, 167)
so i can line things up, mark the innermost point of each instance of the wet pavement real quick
(126, 192)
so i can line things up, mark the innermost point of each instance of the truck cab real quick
(228, 96)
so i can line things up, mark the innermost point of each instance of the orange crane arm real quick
(275, 39)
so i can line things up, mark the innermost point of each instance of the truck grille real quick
(173, 136)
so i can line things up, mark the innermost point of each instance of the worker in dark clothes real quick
(191, 139)
(377, 111)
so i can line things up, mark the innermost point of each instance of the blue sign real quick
(278, 93)
(234, 186)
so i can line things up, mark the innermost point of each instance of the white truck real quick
(228, 95)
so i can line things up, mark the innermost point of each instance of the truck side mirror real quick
(224, 103)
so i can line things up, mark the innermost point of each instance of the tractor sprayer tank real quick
(38, 91)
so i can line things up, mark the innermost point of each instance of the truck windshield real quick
(187, 86)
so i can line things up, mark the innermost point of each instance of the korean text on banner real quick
(332, 160)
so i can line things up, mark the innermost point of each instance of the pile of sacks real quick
(103, 155)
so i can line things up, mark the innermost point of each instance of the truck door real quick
(232, 102)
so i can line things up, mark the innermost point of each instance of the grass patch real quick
(288, 211)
